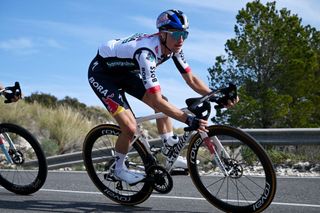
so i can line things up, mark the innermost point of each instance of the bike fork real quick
(216, 150)
(5, 138)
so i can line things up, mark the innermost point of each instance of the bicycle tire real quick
(30, 173)
(243, 190)
(98, 151)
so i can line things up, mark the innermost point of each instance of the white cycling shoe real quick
(181, 162)
(128, 176)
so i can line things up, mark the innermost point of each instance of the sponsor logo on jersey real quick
(111, 105)
(150, 57)
(119, 64)
(94, 65)
(182, 57)
(97, 86)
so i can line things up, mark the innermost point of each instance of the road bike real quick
(23, 165)
(228, 166)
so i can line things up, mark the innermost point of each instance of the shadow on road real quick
(32, 204)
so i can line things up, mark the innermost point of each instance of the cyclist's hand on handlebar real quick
(195, 123)
(12, 94)
(225, 102)
(10, 97)
(231, 103)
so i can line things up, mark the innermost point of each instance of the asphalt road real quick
(74, 192)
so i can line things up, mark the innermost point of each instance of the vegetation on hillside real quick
(59, 125)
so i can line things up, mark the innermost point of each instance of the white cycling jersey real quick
(140, 52)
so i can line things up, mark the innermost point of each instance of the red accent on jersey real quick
(153, 90)
(188, 69)
(112, 105)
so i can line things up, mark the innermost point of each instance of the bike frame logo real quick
(194, 149)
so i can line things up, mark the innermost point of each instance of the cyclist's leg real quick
(108, 89)
(127, 125)
(165, 129)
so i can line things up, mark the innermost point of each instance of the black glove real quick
(229, 93)
(193, 123)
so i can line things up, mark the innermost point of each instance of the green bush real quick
(49, 147)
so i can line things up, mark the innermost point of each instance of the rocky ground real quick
(298, 169)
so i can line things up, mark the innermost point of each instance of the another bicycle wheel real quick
(251, 181)
(26, 171)
(99, 160)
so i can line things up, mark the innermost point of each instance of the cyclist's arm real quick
(156, 101)
(153, 97)
(196, 84)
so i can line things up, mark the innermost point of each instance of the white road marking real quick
(182, 198)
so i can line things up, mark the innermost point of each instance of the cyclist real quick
(128, 65)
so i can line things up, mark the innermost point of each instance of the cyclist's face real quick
(175, 41)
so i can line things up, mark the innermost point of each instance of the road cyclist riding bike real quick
(228, 167)
(23, 165)
(128, 65)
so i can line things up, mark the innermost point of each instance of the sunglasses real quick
(176, 35)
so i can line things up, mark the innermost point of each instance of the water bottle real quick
(168, 145)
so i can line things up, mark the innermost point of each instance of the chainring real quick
(161, 180)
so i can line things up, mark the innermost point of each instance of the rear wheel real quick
(99, 160)
(251, 183)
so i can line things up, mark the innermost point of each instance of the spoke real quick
(237, 193)
(220, 187)
(215, 182)
(238, 190)
(253, 182)
(227, 189)
(247, 188)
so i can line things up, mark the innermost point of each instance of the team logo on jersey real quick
(150, 57)
(112, 106)
(97, 86)
(182, 56)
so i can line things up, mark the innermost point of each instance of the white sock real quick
(166, 135)
(120, 160)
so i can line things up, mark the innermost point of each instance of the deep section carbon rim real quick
(251, 183)
(27, 171)
(98, 153)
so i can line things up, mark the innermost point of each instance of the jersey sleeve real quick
(147, 64)
(181, 63)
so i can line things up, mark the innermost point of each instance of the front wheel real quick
(99, 160)
(246, 182)
(23, 165)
